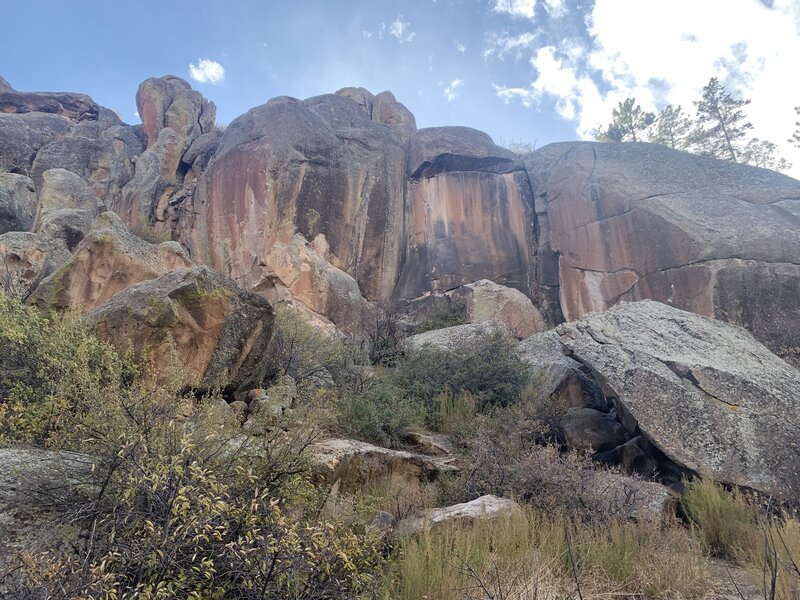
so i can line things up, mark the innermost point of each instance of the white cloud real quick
(207, 71)
(460, 47)
(500, 45)
(752, 49)
(450, 91)
(516, 8)
(366, 34)
(400, 29)
(556, 8)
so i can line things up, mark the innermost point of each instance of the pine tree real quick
(795, 139)
(673, 129)
(762, 153)
(630, 123)
(722, 121)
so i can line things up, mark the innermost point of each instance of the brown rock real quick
(486, 300)
(74, 107)
(641, 221)
(218, 331)
(108, 260)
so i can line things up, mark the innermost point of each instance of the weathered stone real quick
(704, 392)
(17, 202)
(22, 136)
(171, 102)
(589, 429)
(642, 221)
(486, 300)
(454, 338)
(73, 107)
(60, 189)
(469, 214)
(485, 508)
(27, 258)
(108, 260)
(560, 377)
(624, 497)
(218, 331)
(388, 111)
(317, 167)
(350, 465)
(432, 444)
(202, 147)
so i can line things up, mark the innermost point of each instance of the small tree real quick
(674, 129)
(795, 139)
(630, 123)
(723, 122)
(762, 153)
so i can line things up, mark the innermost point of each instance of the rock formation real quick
(705, 393)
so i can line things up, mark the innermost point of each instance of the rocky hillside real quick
(339, 202)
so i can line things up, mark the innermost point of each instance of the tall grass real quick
(526, 556)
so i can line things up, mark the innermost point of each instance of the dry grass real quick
(526, 556)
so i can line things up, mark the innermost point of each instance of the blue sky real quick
(523, 70)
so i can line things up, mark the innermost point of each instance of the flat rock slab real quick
(706, 393)
(467, 513)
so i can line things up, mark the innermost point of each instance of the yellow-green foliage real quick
(737, 530)
(526, 556)
(51, 368)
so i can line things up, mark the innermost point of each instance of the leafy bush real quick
(380, 413)
(489, 369)
(52, 371)
(452, 314)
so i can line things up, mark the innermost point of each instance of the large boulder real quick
(704, 392)
(642, 221)
(590, 429)
(469, 214)
(454, 338)
(27, 258)
(23, 135)
(486, 300)
(485, 508)
(321, 168)
(560, 377)
(615, 495)
(106, 261)
(350, 465)
(72, 107)
(217, 330)
(17, 202)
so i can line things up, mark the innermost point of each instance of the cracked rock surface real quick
(706, 393)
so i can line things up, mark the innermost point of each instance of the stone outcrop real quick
(72, 107)
(349, 465)
(705, 393)
(218, 331)
(485, 508)
(454, 338)
(27, 258)
(590, 429)
(624, 497)
(641, 221)
(322, 168)
(469, 213)
(560, 377)
(486, 300)
(17, 202)
(170, 102)
(106, 261)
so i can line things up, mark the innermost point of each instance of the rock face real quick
(641, 221)
(704, 392)
(469, 211)
(108, 260)
(17, 202)
(218, 331)
(589, 429)
(454, 338)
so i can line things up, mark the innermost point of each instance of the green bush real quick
(380, 413)
(489, 369)
(452, 314)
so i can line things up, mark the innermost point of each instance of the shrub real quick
(452, 314)
(380, 413)
(527, 556)
(490, 370)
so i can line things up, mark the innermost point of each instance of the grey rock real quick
(485, 508)
(27, 258)
(704, 392)
(589, 429)
(560, 377)
(17, 202)
(23, 135)
(454, 338)
(436, 150)
(615, 495)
